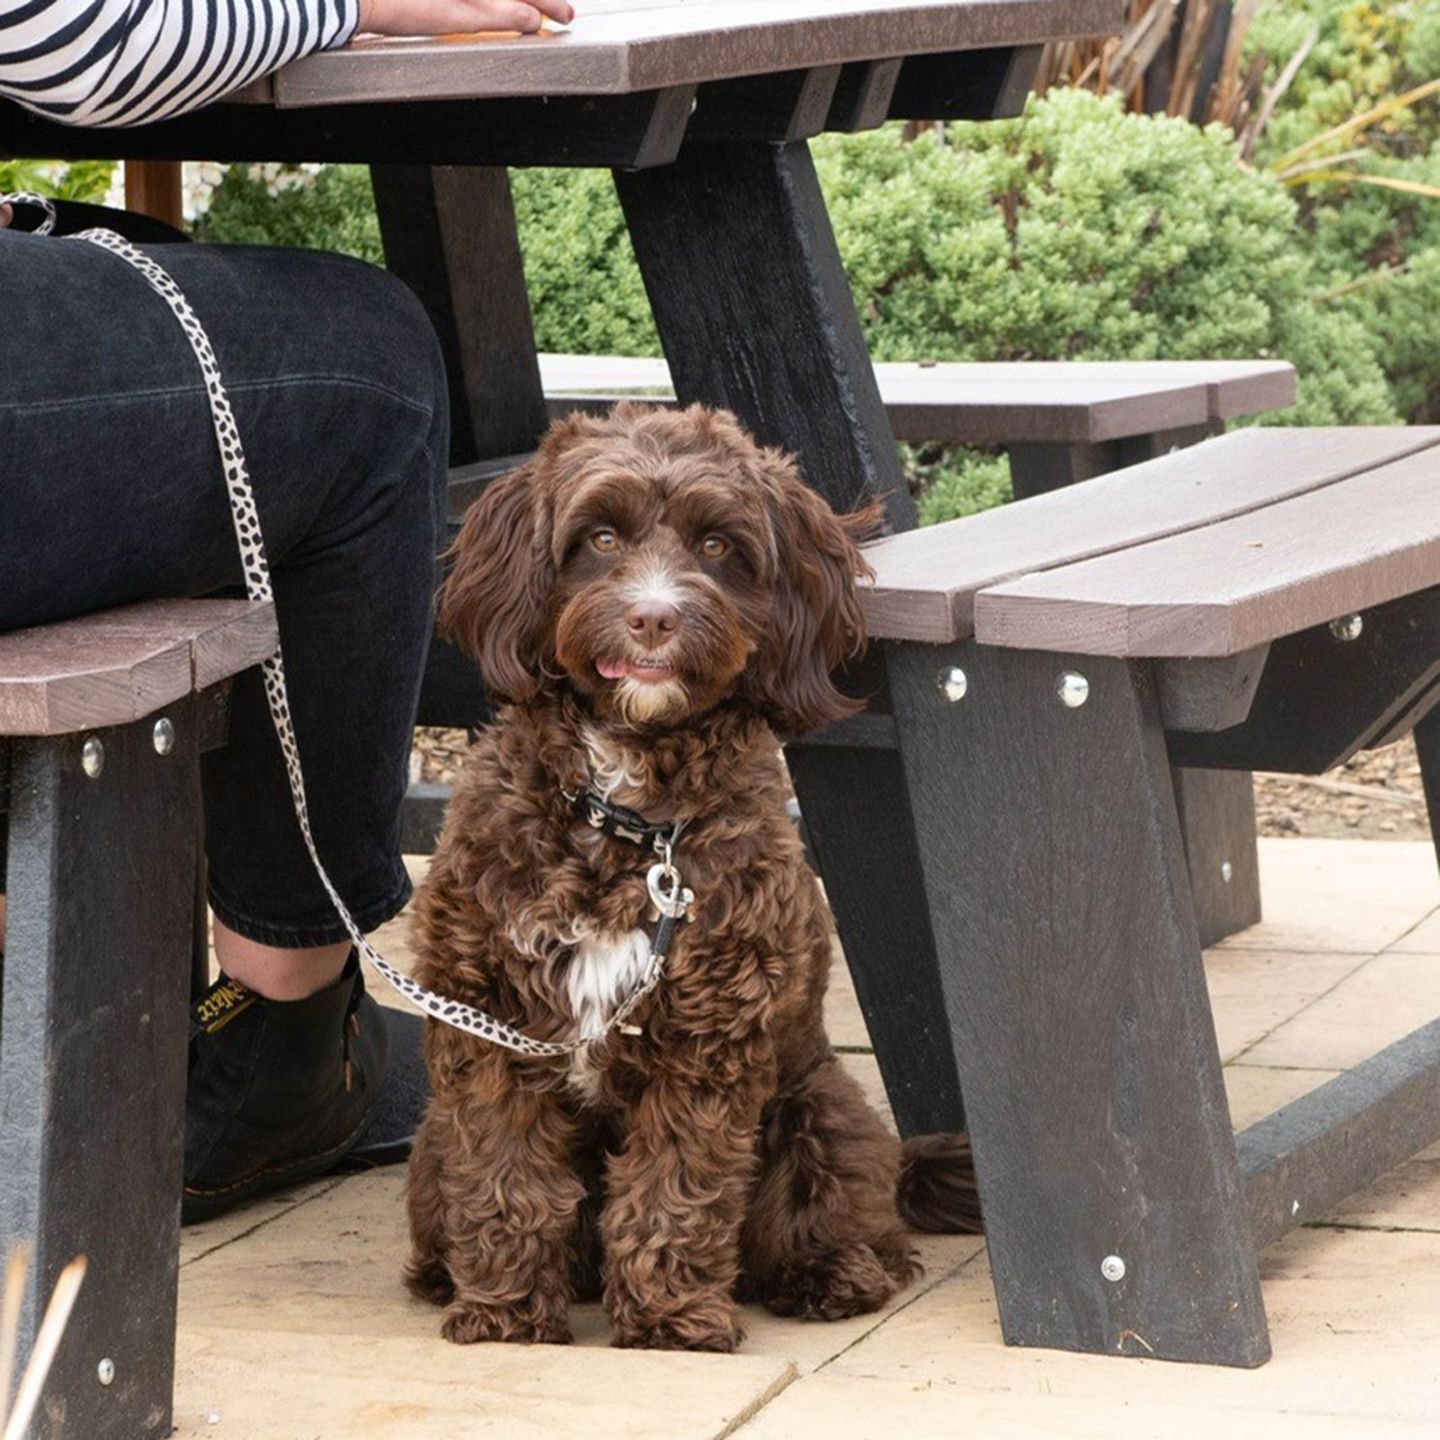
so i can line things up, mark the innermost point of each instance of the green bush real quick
(86, 180)
(1077, 231)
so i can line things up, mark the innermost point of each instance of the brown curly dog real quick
(656, 598)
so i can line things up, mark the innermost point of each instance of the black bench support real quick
(1071, 969)
(92, 1058)
(1301, 1160)
(1217, 811)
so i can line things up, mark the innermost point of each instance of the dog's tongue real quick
(611, 669)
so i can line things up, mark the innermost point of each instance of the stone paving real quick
(294, 1324)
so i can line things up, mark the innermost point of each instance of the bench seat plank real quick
(990, 403)
(926, 580)
(119, 665)
(1230, 586)
(653, 47)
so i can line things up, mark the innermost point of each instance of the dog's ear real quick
(816, 622)
(493, 604)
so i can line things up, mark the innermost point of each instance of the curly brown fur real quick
(655, 596)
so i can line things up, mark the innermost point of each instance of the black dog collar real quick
(621, 823)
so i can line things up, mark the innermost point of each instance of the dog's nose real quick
(652, 622)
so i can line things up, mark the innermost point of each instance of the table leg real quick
(92, 1060)
(1217, 807)
(1075, 992)
(755, 313)
(449, 233)
(1427, 744)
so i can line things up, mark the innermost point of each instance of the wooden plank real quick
(1300, 1161)
(976, 85)
(612, 53)
(119, 665)
(991, 403)
(862, 98)
(1321, 698)
(789, 105)
(634, 130)
(1235, 584)
(926, 582)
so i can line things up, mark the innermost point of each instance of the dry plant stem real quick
(47, 1342)
(10, 1318)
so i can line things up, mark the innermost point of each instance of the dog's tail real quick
(937, 1189)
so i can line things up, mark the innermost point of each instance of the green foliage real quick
(86, 180)
(585, 288)
(327, 208)
(952, 481)
(1077, 231)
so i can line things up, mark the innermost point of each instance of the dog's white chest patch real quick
(604, 969)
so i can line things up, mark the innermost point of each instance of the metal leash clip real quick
(673, 900)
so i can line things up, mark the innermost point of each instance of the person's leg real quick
(111, 491)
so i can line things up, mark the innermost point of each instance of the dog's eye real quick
(712, 547)
(605, 541)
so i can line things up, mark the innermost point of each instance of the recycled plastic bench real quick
(1024, 935)
(1060, 423)
(102, 721)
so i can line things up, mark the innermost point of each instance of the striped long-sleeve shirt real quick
(123, 62)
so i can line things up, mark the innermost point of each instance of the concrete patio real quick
(294, 1325)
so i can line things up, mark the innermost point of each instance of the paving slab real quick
(828, 1407)
(1340, 895)
(1355, 1320)
(1424, 939)
(1255, 1091)
(1376, 1004)
(1252, 992)
(329, 1385)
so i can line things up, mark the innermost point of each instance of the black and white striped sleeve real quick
(123, 62)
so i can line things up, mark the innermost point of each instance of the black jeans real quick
(111, 491)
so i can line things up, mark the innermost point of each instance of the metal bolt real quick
(92, 758)
(164, 736)
(105, 1371)
(953, 683)
(1347, 627)
(1073, 689)
(1112, 1267)
(1227, 871)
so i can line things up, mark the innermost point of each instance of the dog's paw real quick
(469, 1324)
(715, 1328)
(833, 1286)
(429, 1280)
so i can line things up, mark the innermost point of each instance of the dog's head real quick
(663, 563)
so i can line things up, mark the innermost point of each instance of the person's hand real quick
(452, 17)
(5, 213)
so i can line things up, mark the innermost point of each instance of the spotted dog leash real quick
(667, 893)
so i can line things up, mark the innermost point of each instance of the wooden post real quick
(155, 188)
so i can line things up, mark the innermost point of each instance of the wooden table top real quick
(1057, 402)
(618, 47)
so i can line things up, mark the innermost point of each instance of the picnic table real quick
(702, 109)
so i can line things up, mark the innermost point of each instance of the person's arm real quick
(124, 62)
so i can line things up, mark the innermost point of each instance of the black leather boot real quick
(279, 1091)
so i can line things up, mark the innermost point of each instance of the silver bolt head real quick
(953, 683)
(1112, 1267)
(105, 1371)
(1227, 871)
(1073, 689)
(164, 736)
(92, 758)
(1347, 627)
